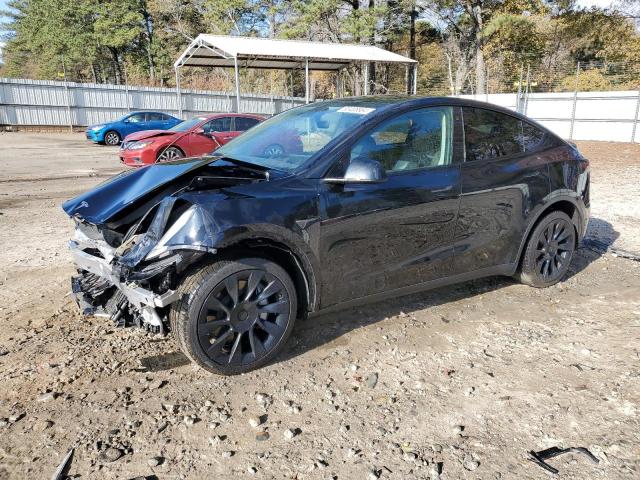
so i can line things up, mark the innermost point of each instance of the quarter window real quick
(533, 138)
(490, 135)
(414, 140)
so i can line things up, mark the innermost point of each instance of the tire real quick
(169, 154)
(227, 337)
(112, 138)
(549, 250)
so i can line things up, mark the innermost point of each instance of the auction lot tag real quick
(356, 110)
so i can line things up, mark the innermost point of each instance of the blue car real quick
(112, 133)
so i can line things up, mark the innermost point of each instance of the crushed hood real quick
(103, 202)
(144, 134)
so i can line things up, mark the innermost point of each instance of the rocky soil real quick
(456, 383)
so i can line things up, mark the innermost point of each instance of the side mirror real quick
(126, 120)
(361, 170)
(199, 131)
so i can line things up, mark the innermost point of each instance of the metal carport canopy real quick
(227, 51)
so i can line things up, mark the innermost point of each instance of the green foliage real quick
(588, 81)
(110, 40)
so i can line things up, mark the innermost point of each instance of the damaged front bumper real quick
(134, 282)
(101, 288)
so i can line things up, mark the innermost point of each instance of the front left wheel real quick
(234, 316)
(112, 138)
(169, 154)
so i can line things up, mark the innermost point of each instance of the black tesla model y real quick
(324, 206)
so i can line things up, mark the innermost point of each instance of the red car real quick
(191, 138)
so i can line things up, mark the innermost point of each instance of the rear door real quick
(377, 237)
(502, 181)
(156, 121)
(242, 124)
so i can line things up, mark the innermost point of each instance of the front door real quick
(378, 237)
(212, 136)
(136, 122)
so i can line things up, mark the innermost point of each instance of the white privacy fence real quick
(49, 103)
(608, 116)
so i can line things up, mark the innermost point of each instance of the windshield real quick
(187, 124)
(288, 140)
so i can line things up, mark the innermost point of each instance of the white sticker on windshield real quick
(356, 110)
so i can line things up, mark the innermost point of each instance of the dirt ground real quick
(456, 383)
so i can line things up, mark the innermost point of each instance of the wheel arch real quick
(163, 148)
(293, 259)
(564, 204)
(112, 129)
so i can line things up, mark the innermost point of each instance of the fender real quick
(281, 237)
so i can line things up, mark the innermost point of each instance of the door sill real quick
(507, 269)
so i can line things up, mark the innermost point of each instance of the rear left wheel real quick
(234, 316)
(549, 251)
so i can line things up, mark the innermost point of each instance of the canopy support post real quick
(178, 93)
(366, 78)
(306, 80)
(237, 79)
(415, 78)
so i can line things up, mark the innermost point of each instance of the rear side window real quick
(154, 117)
(244, 123)
(490, 135)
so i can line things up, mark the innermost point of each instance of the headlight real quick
(98, 127)
(139, 145)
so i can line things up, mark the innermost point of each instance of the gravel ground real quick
(456, 383)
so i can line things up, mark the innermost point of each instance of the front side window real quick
(414, 140)
(490, 135)
(136, 118)
(222, 124)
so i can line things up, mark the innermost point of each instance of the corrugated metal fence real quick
(49, 103)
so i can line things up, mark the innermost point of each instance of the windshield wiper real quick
(254, 167)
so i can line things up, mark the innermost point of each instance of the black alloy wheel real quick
(236, 316)
(549, 251)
